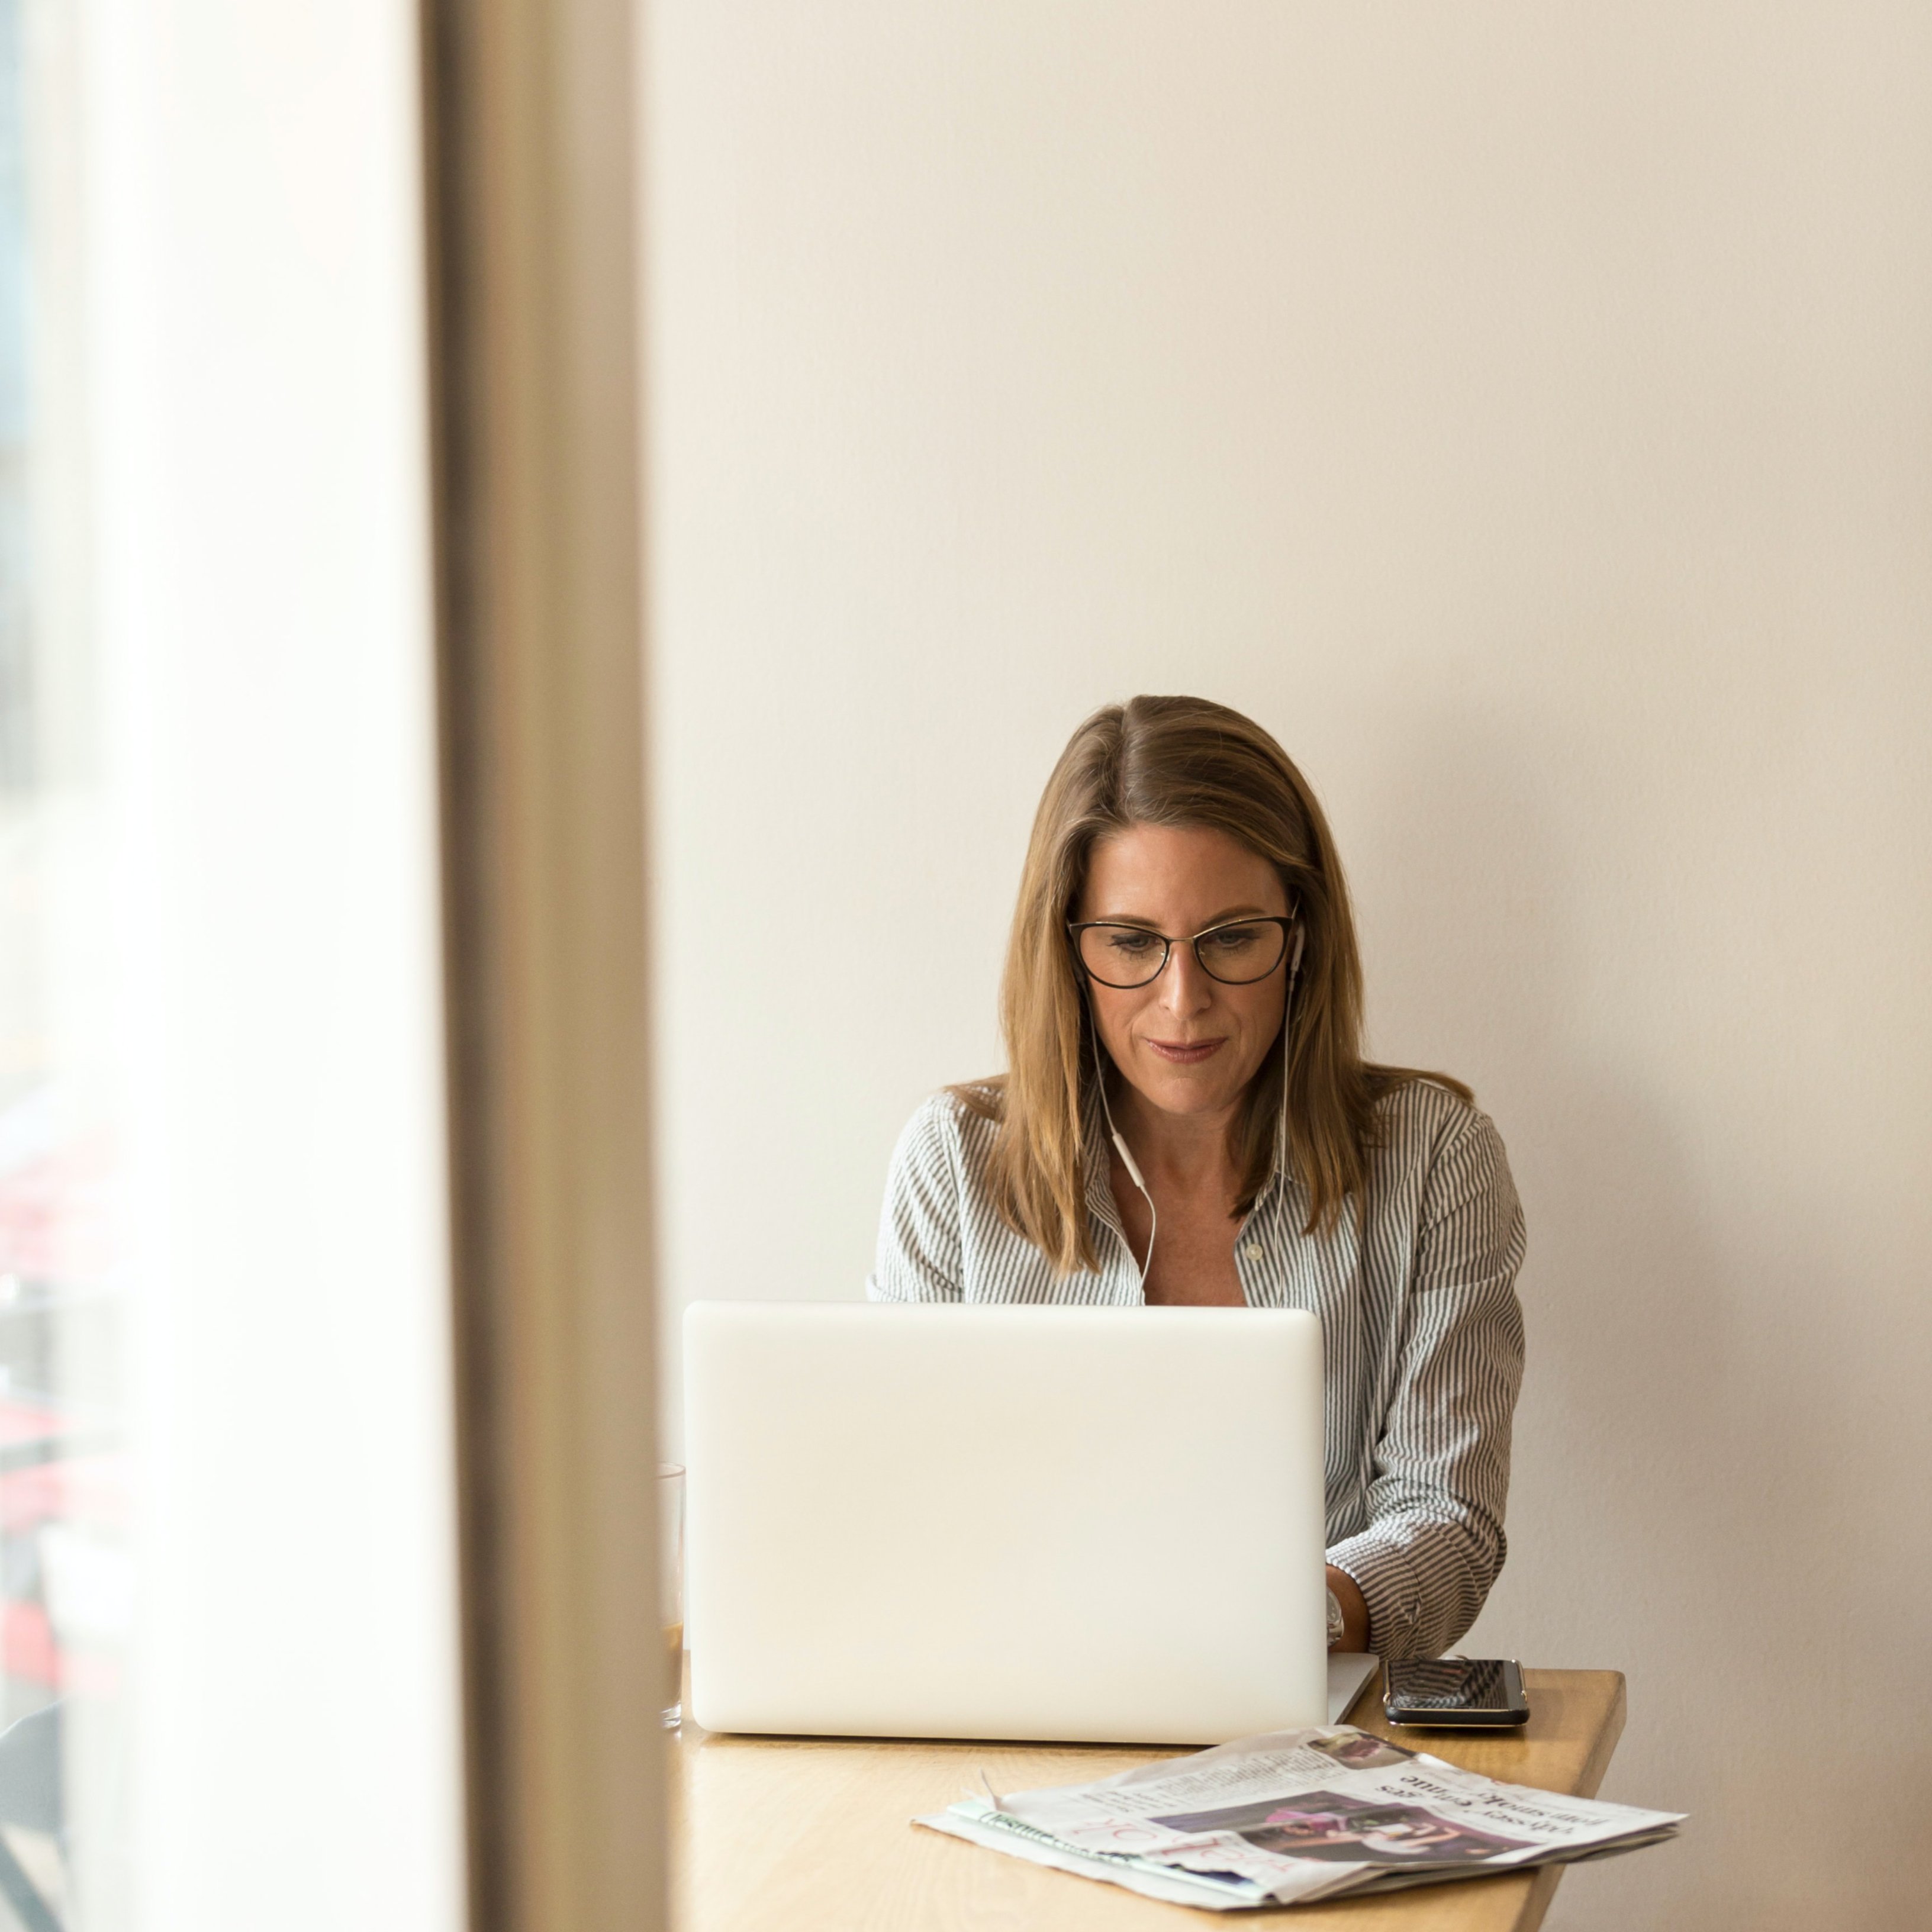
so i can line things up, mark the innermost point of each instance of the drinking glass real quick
(670, 1588)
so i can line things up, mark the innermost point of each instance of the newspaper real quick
(1294, 1816)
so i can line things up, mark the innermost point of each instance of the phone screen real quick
(1452, 1684)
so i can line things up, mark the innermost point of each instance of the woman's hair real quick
(1181, 762)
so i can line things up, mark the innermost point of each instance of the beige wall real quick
(1522, 410)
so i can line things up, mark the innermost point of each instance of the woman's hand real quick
(1355, 1613)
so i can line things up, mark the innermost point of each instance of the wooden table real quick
(811, 1833)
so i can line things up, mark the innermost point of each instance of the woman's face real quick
(1187, 1044)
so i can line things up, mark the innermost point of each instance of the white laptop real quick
(1028, 1522)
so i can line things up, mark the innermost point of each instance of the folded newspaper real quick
(1294, 1815)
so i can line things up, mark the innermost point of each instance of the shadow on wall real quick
(1678, 1509)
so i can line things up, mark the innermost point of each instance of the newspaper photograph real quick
(1296, 1815)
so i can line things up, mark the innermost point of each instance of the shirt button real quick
(1252, 1251)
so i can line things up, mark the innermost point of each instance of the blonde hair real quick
(1181, 762)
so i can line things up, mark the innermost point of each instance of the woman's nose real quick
(1185, 988)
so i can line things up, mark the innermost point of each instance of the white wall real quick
(260, 517)
(1522, 410)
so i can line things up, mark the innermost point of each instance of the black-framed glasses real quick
(1237, 952)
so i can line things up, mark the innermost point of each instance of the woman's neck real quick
(1190, 1149)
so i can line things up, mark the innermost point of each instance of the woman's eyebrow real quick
(1153, 925)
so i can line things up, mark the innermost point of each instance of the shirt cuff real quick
(1388, 1581)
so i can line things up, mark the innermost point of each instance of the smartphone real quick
(1456, 1690)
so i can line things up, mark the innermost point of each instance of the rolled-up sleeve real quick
(919, 1250)
(1434, 1542)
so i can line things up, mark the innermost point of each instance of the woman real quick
(1187, 1118)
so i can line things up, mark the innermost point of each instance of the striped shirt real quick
(1422, 1332)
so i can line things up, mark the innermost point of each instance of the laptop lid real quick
(1029, 1523)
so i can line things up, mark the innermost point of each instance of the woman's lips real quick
(1185, 1052)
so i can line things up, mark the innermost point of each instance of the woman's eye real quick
(1232, 941)
(1133, 945)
